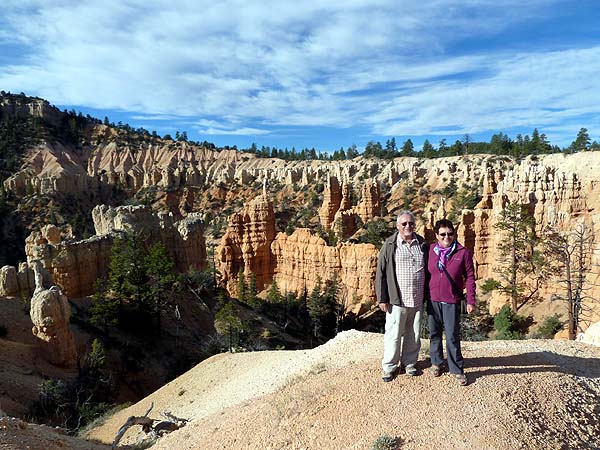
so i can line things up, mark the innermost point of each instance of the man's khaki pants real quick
(402, 339)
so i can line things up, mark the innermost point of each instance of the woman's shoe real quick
(435, 371)
(462, 379)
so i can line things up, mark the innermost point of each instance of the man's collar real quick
(401, 240)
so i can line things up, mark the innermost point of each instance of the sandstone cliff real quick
(245, 246)
(76, 265)
(558, 189)
(296, 261)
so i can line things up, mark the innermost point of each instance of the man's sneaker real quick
(388, 376)
(411, 370)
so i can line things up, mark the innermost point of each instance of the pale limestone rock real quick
(345, 223)
(562, 335)
(370, 205)
(38, 277)
(52, 234)
(558, 188)
(302, 258)
(332, 197)
(557, 191)
(26, 279)
(592, 334)
(9, 285)
(50, 314)
(18, 282)
(346, 202)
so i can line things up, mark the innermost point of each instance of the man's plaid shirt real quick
(410, 272)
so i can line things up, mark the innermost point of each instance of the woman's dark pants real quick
(445, 316)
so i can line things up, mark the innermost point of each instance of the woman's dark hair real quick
(442, 223)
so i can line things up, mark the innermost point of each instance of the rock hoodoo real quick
(50, 313)
(332, 198)
(295, 261)
(246, 244)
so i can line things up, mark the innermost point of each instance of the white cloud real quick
(388, 65)
(238, 132)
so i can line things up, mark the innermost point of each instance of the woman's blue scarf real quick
(444, 253)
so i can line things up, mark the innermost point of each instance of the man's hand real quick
(470, 309)
(385, 307)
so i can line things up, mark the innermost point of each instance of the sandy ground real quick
(532, 394)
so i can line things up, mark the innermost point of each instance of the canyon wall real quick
(558, 189)
(302, 259)
(297, 261)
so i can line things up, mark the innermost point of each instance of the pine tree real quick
(522, 267)
(408, 148)
(227, 322)
(274, 294)
(581, 142)
(428, 150)
(162, 281)
(253, 299)
(242, 287)
(315, 307)
(142, 279)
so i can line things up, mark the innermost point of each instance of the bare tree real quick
(571, 252)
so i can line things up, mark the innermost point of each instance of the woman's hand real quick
(470, 309)
(385, 307)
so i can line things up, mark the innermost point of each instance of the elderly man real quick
(400, 287)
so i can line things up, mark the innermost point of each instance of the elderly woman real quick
(450, 269)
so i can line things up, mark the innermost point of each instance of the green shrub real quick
(549, 327)
(510, 325)
(376, 233)
(475, 327)
(489, 285)
(385, 442)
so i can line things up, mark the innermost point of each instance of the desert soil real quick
(533, 394)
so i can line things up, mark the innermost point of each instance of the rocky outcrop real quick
(246, 244)
(348, 218)
(96, 167)
(557, 188)
(332, 198)
(369, 206)
(20, 106)
(303, 258)
(183, 239)
(18, 282)
(592, 334)
(9, 284)
(297, 261)
(50, 313)
(76, 265)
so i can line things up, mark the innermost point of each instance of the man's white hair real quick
(406, 213)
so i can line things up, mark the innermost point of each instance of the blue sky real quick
(310, 73)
